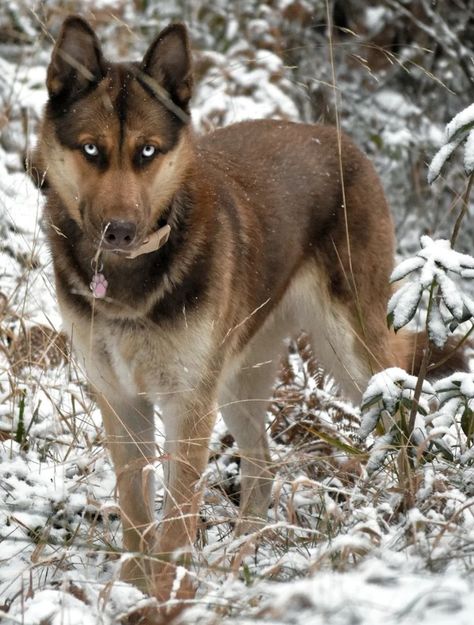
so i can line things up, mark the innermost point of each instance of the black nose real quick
(119, 234)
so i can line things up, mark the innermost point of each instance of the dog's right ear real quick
(77, 61)
(168, 62)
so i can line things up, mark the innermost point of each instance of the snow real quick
(459, 384)
(403, 304)
(219, 99)
(406, 267)
(437, 330)
(437, 256)
(439, 252)
(385, 392)
(338, 550)
(469, 154)
(451, 295)
(57, 608)
(428, 270)
(398, 138)
(440, 159)
(375, 17)
(373, 594)
(459, 122)
(456, 131)
(394, 102)
(381, 447)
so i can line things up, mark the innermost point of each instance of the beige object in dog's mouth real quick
(152, 243)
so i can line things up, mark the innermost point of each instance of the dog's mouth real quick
(122, 239)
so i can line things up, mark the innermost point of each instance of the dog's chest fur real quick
(154, 361)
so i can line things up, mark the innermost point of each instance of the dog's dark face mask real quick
(115, 142)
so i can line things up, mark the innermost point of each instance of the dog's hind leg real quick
(243, 402)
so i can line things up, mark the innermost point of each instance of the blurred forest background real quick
(402, 69)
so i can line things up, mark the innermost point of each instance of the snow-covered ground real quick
(341, 547)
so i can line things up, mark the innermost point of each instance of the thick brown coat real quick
(275, 227)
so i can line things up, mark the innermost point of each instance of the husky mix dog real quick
(183, 261)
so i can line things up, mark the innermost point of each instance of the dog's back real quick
(301, 204)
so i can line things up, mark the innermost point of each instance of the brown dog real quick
(182, 262)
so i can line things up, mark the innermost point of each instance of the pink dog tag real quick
(99, 285)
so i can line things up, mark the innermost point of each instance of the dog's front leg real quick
(130, 439)
(188, 427)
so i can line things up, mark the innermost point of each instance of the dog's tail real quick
(410, 348)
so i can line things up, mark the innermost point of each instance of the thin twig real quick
(465, 206)
(427, 353)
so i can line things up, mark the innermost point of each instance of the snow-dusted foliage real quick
(437, 270)
(444, 419)
(431, 270)
(390, 394)
(459, 129)
(456, 404)
(234, 89)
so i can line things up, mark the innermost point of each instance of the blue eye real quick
(148, 151)
(90, 149)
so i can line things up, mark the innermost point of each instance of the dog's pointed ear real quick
(168, 61)
(77, 60)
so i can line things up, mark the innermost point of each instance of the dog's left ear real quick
(168, 61)
(77, 61)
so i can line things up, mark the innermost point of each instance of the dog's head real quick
(115, 141)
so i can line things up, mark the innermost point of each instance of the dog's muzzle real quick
(119, 235)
